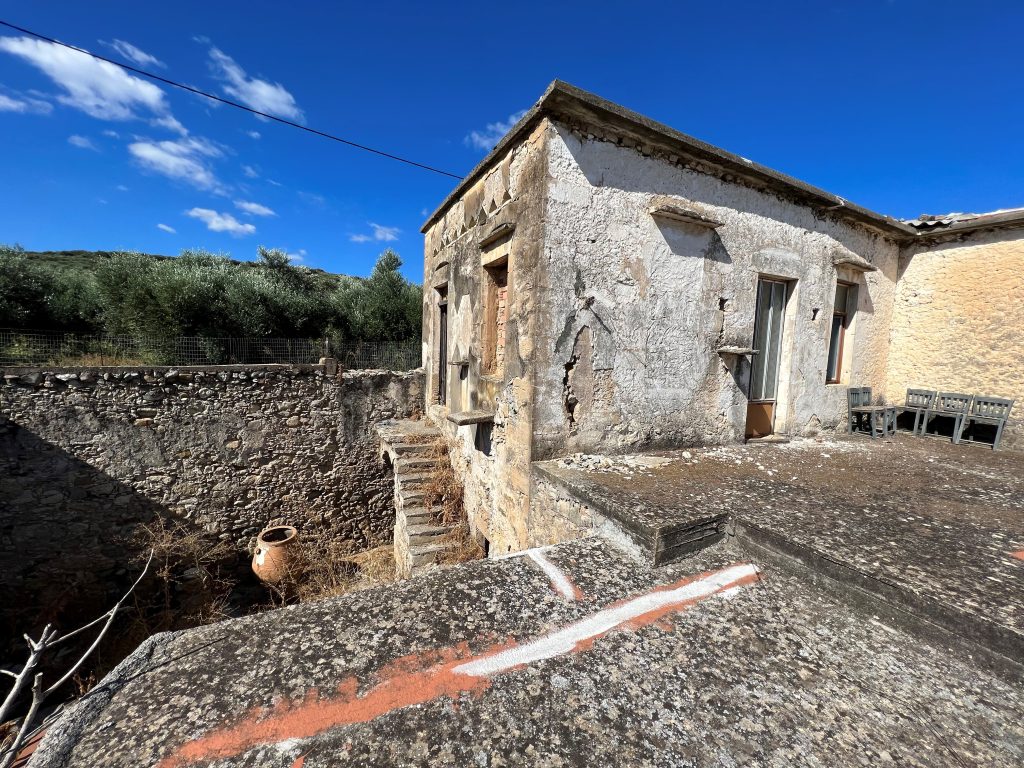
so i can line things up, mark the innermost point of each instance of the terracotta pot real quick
(275, 554)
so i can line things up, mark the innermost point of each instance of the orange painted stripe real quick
(424, 677)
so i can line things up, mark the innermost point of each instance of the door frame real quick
(784, 354)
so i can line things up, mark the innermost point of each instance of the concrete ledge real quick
(996, 648)
(660, 538)
(465, 418)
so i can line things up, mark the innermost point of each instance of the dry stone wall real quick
(88, 456)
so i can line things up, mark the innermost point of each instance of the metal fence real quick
(20, 348)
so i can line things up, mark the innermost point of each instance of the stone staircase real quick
(415, 449)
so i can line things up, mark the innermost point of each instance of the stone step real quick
(426, 534)
(416, 516)
(419, 464)
(413, 497)
(410, 480)
(423, 554)
(416, 449)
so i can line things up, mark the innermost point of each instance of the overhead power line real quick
(230, 103)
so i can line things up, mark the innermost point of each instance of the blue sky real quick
(902, 106)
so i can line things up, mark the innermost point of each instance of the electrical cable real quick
(230, 103)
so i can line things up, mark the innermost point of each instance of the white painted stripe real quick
(523, 552)
(559, 580)
(566, 639)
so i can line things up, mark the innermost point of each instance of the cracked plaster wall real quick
(958, 320)
(509, 194)
(629, 311)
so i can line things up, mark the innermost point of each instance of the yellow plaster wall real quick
(958, 321)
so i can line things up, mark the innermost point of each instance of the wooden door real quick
(764, 373)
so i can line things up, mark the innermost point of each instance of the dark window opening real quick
(442, 346)
(482, 438)
(495, 316)
(837, 333)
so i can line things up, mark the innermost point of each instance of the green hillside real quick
(203, 294)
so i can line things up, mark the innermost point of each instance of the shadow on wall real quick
(68, 538)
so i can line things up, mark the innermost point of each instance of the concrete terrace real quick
(574, 655)
(930, 528)
(749, 652)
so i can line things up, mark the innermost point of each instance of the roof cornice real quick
(567, 103)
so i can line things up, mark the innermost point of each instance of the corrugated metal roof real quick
(929, 221)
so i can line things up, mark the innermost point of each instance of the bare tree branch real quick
(37, 698)
(99, 638)
(22, 678)
(48, 639)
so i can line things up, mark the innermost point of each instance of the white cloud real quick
(121, 188)
(299, 255)
(167, 229)
(250, 172)
(183, 159)
(221, 222)
(170, 123)
(491, 135)
(253, 134)
(82, 142)
(311, 199)
(261, 95)
(379, 233)
(26, 105)
(98, 88)
(254, 209)
(112, 134)
(133, 54)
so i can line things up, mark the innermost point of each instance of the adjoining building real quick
(603, 284)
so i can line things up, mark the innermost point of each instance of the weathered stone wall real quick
(557, 515)
(958, 323)
(500, 217)
(632, 308)
(85, 456)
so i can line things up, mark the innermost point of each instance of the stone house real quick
(599, 283)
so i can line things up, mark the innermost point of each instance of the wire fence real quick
(36, 348)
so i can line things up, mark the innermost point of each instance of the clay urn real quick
(276, 553)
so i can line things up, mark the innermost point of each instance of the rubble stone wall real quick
(958, 323)
(88, 456)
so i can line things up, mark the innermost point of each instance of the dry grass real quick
(462, 546)
(444, 493)
(8, 731)
(322, 571)
(445, 501)
(99, 361)
(188, 585)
